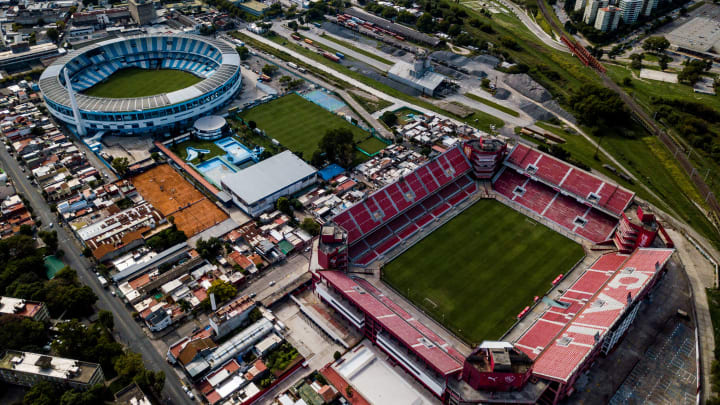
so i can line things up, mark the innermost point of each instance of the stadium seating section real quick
(574, 199)
(399, 210)
(180, 53)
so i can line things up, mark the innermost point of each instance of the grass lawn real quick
(478, 271)
(492, 104)
(136, 82)
(180, 149)
(298, 124)
(372, 145)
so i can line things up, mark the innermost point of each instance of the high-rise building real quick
(142, 11)
(27, 369)
(630, 10)
(591, 9)
(607, 18)
(649, 6)
(580, 5)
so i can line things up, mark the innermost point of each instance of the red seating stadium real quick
(388, 244)
(564, 210)
(599, 226)
(408, 231)
(507, 181)
(367, 258)
(537, 196)
(424, 220)
(378, 236)
(415, 212)
(443, 208)
(558, 174)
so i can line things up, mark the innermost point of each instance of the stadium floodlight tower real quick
(73, 104)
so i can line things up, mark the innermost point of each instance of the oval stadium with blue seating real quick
(216, 65)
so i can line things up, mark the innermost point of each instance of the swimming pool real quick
(324, 100)
(237, 153)
(215, 169)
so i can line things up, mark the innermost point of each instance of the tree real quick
(41, 393)
(22, 333)
(243, 51)
(285, 80)
(337, 355)
(209, 249)
(664, 60)
(106, 319)
(51, 240)
(389, 118)
(269, 69)
(656, 44)
(120, 165)
(338, 146)
(93, 396)
(636, 61)
(310, 226)
(53, 34)
(293, 25)
(25, 230)
(425, 23)
(598, 106)
(283, 205)
(252, 124)
(692, 71)
(222, 289)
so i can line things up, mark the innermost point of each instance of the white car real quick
(189, 392)
(272, 283)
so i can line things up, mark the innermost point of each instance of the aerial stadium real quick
(141, 84)
(536, 266)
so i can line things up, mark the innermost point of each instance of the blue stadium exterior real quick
(216, 62)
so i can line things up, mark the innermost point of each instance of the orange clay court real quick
(174, 196)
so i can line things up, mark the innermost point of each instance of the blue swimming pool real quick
(237, 153)
(324, 100)
(215, 169)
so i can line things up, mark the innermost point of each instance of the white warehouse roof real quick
(268, 177)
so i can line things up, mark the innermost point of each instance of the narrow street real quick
(128, 330)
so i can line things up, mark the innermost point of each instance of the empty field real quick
(478, 271)
(298, 124)
(136, 82)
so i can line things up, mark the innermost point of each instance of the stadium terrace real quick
(540, 363)
(216, 63)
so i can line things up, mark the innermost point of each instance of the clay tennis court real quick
(174, 196)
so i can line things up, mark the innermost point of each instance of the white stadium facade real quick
(214, 61)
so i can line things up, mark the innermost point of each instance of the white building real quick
(256, 189)
(591, 10)
(630, 10)
(229, 317)
(580, 5)
(607, 18)
(27, 369)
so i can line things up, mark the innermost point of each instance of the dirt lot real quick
(174, 196)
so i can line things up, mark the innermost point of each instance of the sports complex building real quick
(541, 356)
(215, 63)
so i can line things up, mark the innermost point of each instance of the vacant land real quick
(136, 82)
(297, 123)
(478, 271)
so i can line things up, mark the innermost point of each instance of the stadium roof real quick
(563, 338)
(603, 195)
(412, 333)
(54, 90)
(267, 177)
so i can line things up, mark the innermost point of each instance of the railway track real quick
(638, 113)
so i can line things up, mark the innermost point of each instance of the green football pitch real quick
(136, 82)
(478, 271)
(299, 124)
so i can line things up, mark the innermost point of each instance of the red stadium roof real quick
(610, 197)
(439, 355)
(562, 339)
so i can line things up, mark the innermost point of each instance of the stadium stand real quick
(601, 306)
(569, 197)
(397, 211)
(591, 190)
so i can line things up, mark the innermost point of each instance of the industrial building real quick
(27, 369)
(419, 75)
(257, 188)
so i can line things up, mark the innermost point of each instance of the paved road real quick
(534, 27)
(128, 331)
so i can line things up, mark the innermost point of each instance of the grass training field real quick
(298, 124)
(136, 82)
(478, 271)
